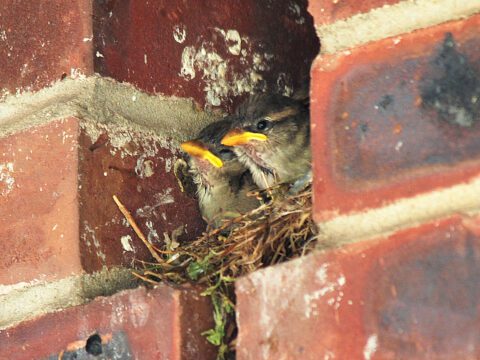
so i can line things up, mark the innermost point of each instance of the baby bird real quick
(271, 136)
(222, 181)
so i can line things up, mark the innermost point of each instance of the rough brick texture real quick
(212, 51)
(43, 41)
(396, 118)
(328, 11)
(160, 324)
(413, 295)
(39, 210)
(138, 169)
(56, 186)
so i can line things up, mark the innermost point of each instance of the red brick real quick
(413, 295)
(379, 132)
(328, 11)
(160, 324)
(153, 197)
(38, 212)
(135, 40)
(40, 41)
(57, 213)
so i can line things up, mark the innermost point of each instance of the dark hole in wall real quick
(94, 345)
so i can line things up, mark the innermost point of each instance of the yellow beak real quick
(197, 149)
(239, 137)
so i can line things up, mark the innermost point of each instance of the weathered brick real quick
(43, 41)
(396, 118)
(138, 169)
(39, 211)
(57, 213)
(212, 51)
(163, 323)
(412, 295)
(328, 11)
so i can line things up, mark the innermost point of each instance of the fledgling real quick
(222, 181)
(271, 136)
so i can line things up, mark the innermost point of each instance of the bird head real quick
(269, 131)
(210, 161)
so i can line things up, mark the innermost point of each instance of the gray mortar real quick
(24, 301)
(107, 102)
(392, 20)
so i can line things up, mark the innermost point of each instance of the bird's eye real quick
(263, 124)
(226, 154)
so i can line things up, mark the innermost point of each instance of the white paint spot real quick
(399, 145)
(221, 76)
(89, 237)
(329, 355)
(328, 286)
(77, 74)
(234, 42)
(126, 243)
(145, 60)
(3, 35)
(152, 235)
(144, 168)
(6, 178)
(168, 164)
(370, 347)
(321, 274)
(188, 63)
(89, 39)
(180, 33)
(98, 54)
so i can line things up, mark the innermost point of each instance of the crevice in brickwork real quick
(94, 345)
(455, 92)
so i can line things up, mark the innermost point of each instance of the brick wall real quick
(95, 97)
(396, 163)
(94, 102)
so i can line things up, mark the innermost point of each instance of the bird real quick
(223, 182)
(271, 136)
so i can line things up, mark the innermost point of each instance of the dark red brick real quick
(412, 295)
(136, 43)
(328, 11)
(57, 213)
(140, 174)
(160, 324)
(379, 130)
(42, 41)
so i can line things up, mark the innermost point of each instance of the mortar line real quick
(391, 20)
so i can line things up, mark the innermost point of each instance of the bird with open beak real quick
(223, 182)
(271, 136)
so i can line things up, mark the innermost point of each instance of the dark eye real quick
(263, 124)
(226, 154)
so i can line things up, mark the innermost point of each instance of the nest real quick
(277, 231)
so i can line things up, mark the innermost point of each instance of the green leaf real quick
(197, 268)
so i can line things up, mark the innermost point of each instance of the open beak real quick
(197, 149)
(239, 137)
